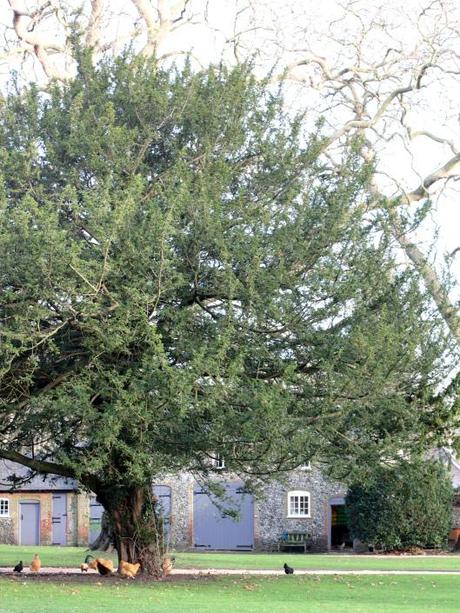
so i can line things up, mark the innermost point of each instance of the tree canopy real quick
(341, 64)
(181, 275)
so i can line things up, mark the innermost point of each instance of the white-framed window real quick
(298, 503)
(4, 507)
(306, 466)
(217, 461)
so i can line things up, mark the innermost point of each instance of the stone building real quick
(304, 502)
(54, 511)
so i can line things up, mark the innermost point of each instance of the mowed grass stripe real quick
(71, 557)
(280, 594)
(250, 561)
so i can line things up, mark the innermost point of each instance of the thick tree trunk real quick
(136, 526)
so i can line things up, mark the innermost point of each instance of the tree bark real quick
(447, 309)
(136, 526)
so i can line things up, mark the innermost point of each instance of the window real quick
(298, 504)
(217, 461)
(4, 507)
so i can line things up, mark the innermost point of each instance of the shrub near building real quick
(401, 507)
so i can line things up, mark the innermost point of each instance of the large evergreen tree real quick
(179, 275)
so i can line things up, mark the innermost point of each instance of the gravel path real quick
(49, 571)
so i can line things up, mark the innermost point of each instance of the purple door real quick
(59, 519)
(223, 524)
(30, 523)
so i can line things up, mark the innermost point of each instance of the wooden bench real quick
(295, 539)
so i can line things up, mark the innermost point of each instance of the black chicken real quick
(288, 570)
(18, 568)
(103, 570)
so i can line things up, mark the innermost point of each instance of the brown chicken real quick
(167, 566)
(129, 570)
(36, 564)
(92, 564)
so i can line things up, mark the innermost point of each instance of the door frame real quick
(334, 501)
(167, 525)
(63, 517)
(92, 502)
(27, 501)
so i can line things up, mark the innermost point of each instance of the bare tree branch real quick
(159, 20)
(437, 290)
(446, 171)
(40, 43)
(95, 23)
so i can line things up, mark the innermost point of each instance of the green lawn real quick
(50, 556)
(280, 594)
(73, 556)
(316, 561)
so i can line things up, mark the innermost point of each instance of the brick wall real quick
(77, 517)
(45, 500)
(270, 512)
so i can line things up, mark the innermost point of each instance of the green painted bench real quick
(295, 539)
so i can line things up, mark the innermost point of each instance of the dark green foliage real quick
(180, 274)
(401, 507)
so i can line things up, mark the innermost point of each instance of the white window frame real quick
(2, 507)
(217, 461)
(298, 494)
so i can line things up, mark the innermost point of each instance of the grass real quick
(64, 557)
(68, 557)
(279, 594)
(316, 561)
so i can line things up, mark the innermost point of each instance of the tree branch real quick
(95, 23)
(37, 42)
(439, 294)
(40, 466)
(444, 172)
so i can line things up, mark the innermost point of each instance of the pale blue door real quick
(226, 524)
(59, 519)
(30, 523)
